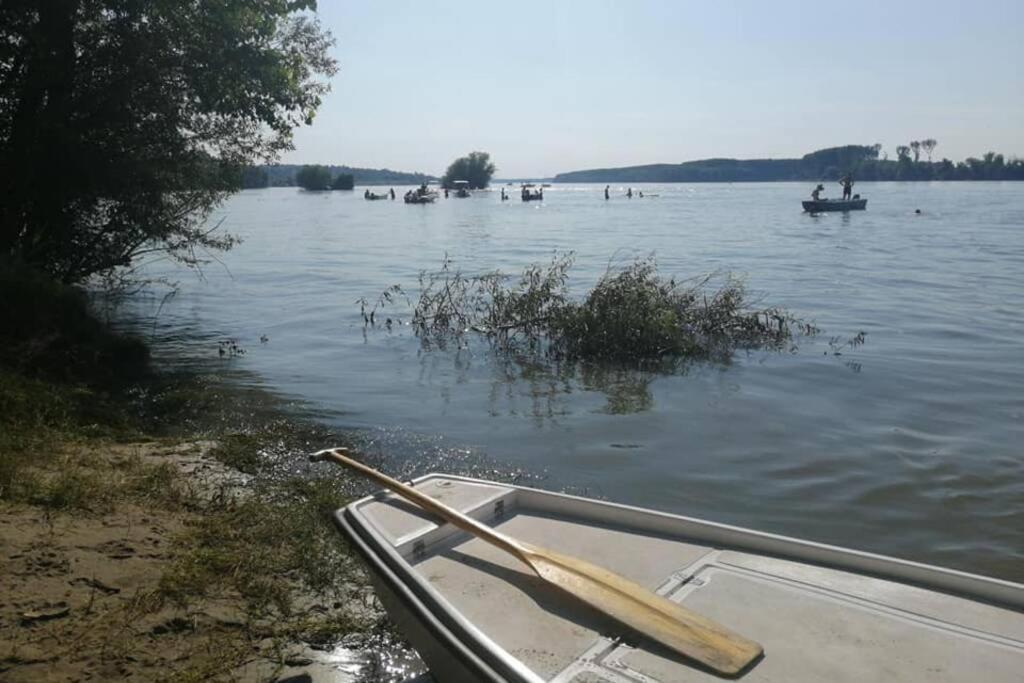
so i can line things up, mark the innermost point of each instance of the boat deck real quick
(816, 622)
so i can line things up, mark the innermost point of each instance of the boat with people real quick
(461, 188)
(815, 612)
(411, 198)
(849, 201)
(421, 195)
(857, 203)
(528, 195)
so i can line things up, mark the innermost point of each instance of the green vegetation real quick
(259, 545)
(343, 181)
(283, 175)
(476, 168)
(826, 164)
(632, 314)
(254, 177)
(318, 179)
(124, 123)
(314, 178)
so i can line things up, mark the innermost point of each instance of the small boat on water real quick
(421, 195)
(819, 205)
(461, 188)
(821, 613)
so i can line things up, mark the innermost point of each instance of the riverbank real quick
(159, 558)
(160, 526)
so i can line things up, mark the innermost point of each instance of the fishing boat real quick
(461, 188)
(420, 198)
(820, 612)
(819, 205)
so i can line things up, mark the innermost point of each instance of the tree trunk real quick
(34, 196)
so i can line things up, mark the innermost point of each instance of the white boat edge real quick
(426, 617)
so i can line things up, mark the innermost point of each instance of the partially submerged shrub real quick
(632, 314)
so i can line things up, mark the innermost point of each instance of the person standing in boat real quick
(847, 182)
(816, 193)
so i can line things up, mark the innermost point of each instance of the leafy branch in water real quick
(632, 313)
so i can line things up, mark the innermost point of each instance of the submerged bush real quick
(632, 313)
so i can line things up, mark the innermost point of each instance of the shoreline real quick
(180, 552)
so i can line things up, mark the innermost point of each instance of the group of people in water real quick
(846, 182)
(629, 192)
(528, 196)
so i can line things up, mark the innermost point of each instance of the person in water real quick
(366, 193)
(606, 192)
(392, 194)
(847, 183)
(816, 193)
(629, 193)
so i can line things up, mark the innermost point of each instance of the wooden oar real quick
(650, 615)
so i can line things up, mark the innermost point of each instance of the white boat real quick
(821, 613)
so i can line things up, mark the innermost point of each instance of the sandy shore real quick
(83, 592)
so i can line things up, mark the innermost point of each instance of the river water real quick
(909, 444)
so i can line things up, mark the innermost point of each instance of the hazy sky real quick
(561, 85)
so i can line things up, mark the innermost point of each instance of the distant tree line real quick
(286, 175)
(863, 161)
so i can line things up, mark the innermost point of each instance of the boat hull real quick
(835, 205)
(821, 612)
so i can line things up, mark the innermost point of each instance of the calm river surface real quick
(911, 444)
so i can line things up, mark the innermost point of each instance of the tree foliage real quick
(124, 122)
(476, 168)
(343, 181)
(313, 178)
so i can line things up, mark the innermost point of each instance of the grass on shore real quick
(270, 551)
(72, 447)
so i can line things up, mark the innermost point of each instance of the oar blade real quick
(650, 615)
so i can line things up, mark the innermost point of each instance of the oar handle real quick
(462, 521)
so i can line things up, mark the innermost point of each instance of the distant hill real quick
(283, 175)
(825, 164)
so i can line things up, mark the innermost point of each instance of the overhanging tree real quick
(124, 122)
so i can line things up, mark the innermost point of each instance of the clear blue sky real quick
(556, 86)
